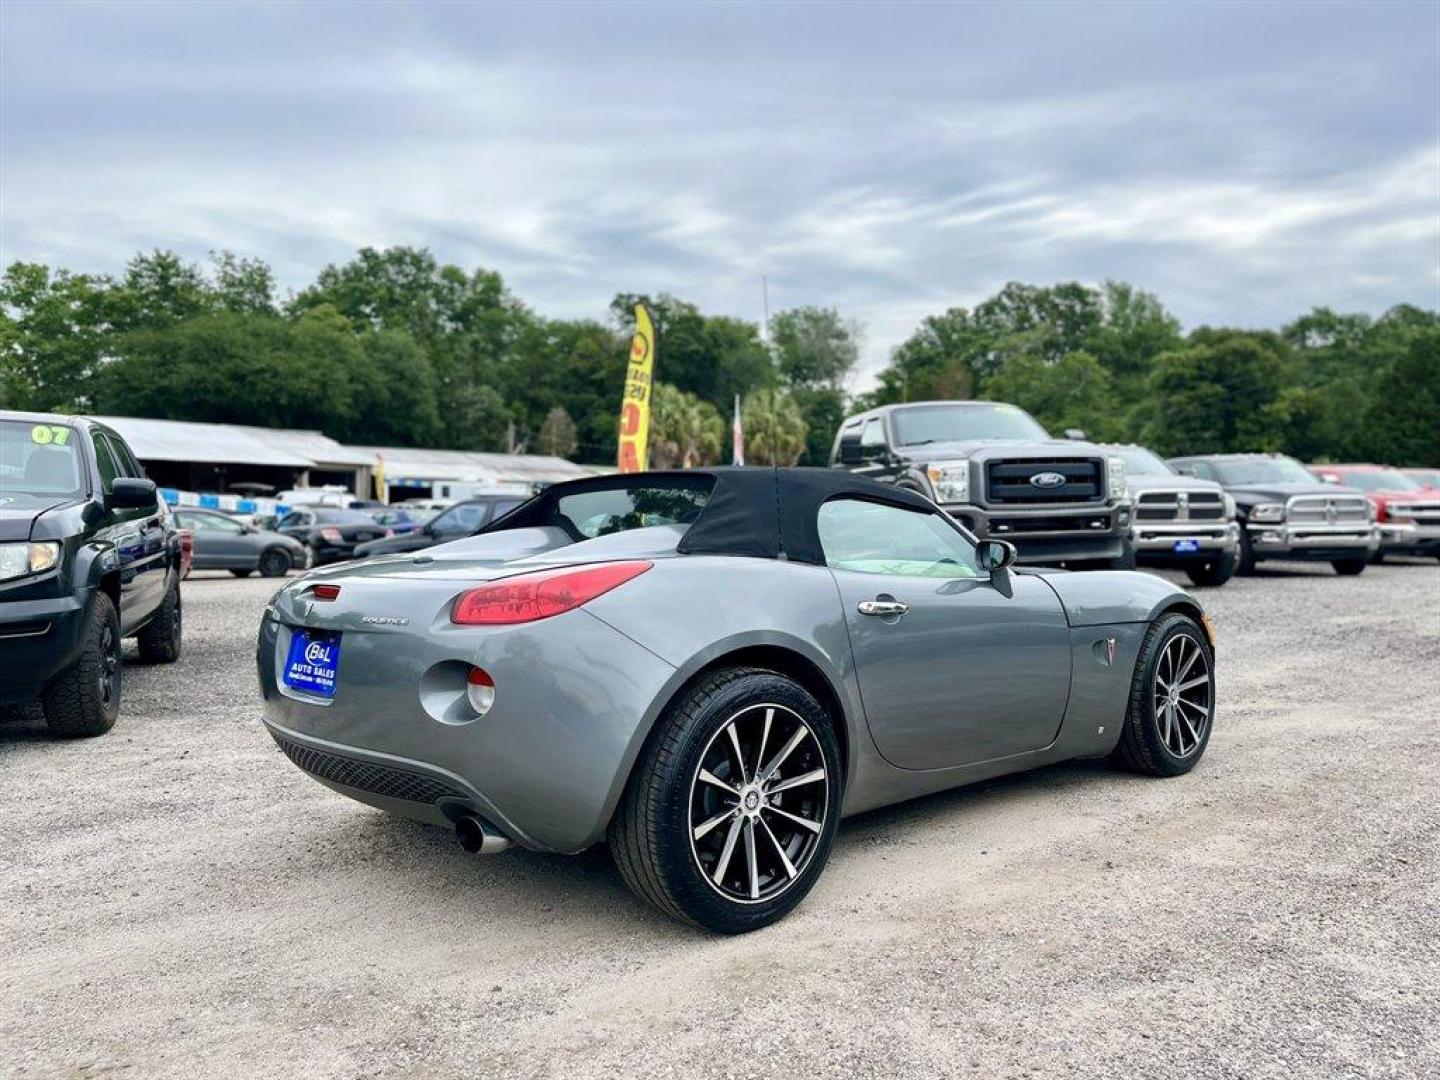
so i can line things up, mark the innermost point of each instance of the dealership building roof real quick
(232, 444)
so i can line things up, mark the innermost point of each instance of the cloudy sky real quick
(1244, 161)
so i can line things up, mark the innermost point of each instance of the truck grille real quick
(1180, 506)
(1423, 513)
(1328, 510)
(1049, 523)
(384, 780)
(1009, 481)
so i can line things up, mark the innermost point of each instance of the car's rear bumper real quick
(38, 640)
(1312, 542)
(1156, 544)
(1407, 538)
(545, 766)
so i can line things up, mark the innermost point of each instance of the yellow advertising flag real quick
(635, 408)
(382, 489)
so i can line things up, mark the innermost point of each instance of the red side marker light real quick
(529, 597)
(324, 592)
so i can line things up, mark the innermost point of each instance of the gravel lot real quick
(177, 900)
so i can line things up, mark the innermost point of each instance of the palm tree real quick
(685, 431)
(774, 428)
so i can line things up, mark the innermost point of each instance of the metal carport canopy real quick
(220, 444)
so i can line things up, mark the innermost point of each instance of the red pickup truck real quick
(1406, 511)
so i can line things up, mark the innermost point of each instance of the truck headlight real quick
(1228, 502)
(1115, 473)
(17, 560)
(950, 479)
(1268, 512)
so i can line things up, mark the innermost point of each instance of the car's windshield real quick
(1377, 480)
(1267, 470)
(40, 459)
(921, 424)
(1142, 462)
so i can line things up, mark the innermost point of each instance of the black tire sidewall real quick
(678, 869)
(1142, 725)
(274, 553)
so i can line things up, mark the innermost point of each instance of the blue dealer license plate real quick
(1186, 547)
(313, 661)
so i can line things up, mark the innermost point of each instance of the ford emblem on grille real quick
(1047, 479)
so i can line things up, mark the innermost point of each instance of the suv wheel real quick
(84, 699)
(729, 818)
(1246, 566)
(1349, 567)
(159, 641)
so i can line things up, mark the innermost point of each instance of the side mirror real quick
(1329, 478)
(850, 453)
(1075, 434)
(996, 555)
(1185, 470)
(127, 493)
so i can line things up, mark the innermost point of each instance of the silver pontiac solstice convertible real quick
(710, 668)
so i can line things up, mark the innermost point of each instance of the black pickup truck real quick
(88, 555)
(996, 471)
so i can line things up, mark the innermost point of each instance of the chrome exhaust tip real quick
(476, 838)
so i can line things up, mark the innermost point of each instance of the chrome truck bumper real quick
(1320, 542)
(1408, 538)
(1185, 539)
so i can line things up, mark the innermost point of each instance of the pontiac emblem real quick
(1047, 479)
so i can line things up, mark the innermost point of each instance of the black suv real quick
(996, 471)
(88, 555)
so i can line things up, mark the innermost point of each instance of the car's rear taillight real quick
(528, 597)
(333, 535)
(324, 592)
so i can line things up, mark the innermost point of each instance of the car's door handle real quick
(883, 607)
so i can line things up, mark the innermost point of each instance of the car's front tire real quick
(159, 641)
(1172, 699)
(84, 699)
(731, 812)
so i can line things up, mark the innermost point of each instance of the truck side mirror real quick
(128, 493)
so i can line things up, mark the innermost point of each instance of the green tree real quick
(1220, 393)
(1404, 421)
(814, 347)
(774, 428)
(159, 290)
(1074, 392)
(243, 286)
(685, 431)
(56, 338)
(557, 435)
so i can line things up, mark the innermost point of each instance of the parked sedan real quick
(709, 668)
(329, 534)
(401, 520)
(462, 519)
(223, 543)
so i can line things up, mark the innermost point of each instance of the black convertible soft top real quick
(765, 513)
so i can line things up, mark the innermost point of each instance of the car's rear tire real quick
(1349, 567)
(730, 814)
(84, 699)
(1212, 573)
(159, 641)
(242, 573)
(1172, 699)
(274, 562)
